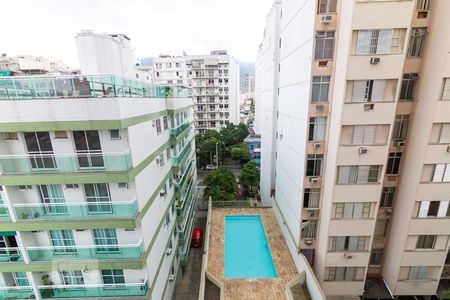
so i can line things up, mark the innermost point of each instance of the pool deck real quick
(259, 288)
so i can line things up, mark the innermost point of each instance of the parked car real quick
(197, 237)
(209, 167)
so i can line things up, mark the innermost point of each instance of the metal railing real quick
(81, 86)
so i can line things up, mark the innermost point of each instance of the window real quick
(165, 123)
(379, 41)
(363, 134)
(441, 133)
(317, 129)
(438, 209)
(348, 243)
(324, 45)
(73, 277)
(168, 154)
(311, 198)
(441, 173)
(393, 163)
(88, 148)
(380, 228)
(161, 160)
(400, 127)
(320, 88)
(387, 197)
(62, 241)
(326, 6)
(423, 4)
(52, 196)
(345, 273)
(446, 89)
(158, 125)
(113, 277)
(309, 229)
(358, 174)
(417, 42)
(376, 257)
(425, 241)
(408, 85)
(106, 239)
(352, 210)
(418, 273)
(98, 198)
(314, 165)
(369, 90)
(114, 134)
(40, 148)
(122, 185)
(167, 220)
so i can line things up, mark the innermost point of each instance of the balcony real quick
(188, 218)
(179, 183)
(16, 292)
(94, 290)
(182, 203)
(174, 133)
(183, 248)
(76, 210)
(4, 214)
(10, 254)
(79, 86)
(81, 252)
(65, 163)
(177, 159)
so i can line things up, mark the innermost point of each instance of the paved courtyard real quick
(249, 289)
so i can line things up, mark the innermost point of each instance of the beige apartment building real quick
(354, 112)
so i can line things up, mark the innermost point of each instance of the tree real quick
(239, 153)
(206, 150)
(249, 178)
(221, 185)
(234, 135)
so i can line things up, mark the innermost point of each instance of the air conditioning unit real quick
(308, 242)
(399, 143)
(392, 178)
(316, 145)
(169, 251)
(375, 60)
(162, 194)
(311, 214)
(326, 19)
(368, 107)
(319, 107)
(363, 150)
(314, 179)
(171, 277)
(348, 255)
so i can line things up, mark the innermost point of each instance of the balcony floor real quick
(250, 289)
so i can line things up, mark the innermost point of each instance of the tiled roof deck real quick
(249, 289)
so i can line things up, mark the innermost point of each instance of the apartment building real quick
(352, 107)
(214, 80)
(97, 177)
(32, 65)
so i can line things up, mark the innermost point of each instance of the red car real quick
(197, 237)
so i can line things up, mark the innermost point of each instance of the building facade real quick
(351, 101)
(32, 65)
(97, 177)
(214, 80)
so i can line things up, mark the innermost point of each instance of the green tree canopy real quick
(207, 150)
(221, 185)
(239, 153)
(233, 135)
(249, 178)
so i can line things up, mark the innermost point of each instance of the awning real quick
(7, 233)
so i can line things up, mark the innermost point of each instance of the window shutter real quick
(446, 91)
(384, 41)
(359, 91)
(447, 173)
(422, 272)
(369, 134)
(353, 243)
(443, 206)
(379, 90)
(363, 42)
(358, 134)
(445, 134)
(339, 243)
(423, 211)
(438, 172)
(344, 174)
(348, 211)
(357, 211)
(363, 174)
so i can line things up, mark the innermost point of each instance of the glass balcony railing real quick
(10, 254)
(185, 213)
(65, 163)
(80, 252)
(4, 214)
(76, 210)
(185, 196)
(177, 159)
(177, 131)
(79, 86)
(179, 183)
(16, 292)
(94, 290)
(183, 248)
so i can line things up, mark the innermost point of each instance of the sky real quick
(47, 27)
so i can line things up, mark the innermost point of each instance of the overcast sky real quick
(47, 27)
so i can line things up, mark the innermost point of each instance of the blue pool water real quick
(247, 253)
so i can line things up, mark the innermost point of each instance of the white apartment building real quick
(214, 80)
(32, 65)
(97, 183)
(352, 107)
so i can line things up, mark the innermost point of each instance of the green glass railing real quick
(185, 196)
(16, 292)
(80, 252)
(4, 214)
(179, 184)
(79, 86)
(184, 218)
(65, 163)
(76, 210)
(177, 131)
(12, 254)
(177, 159)
(91, 291)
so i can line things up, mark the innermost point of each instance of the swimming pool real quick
(247, 253)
